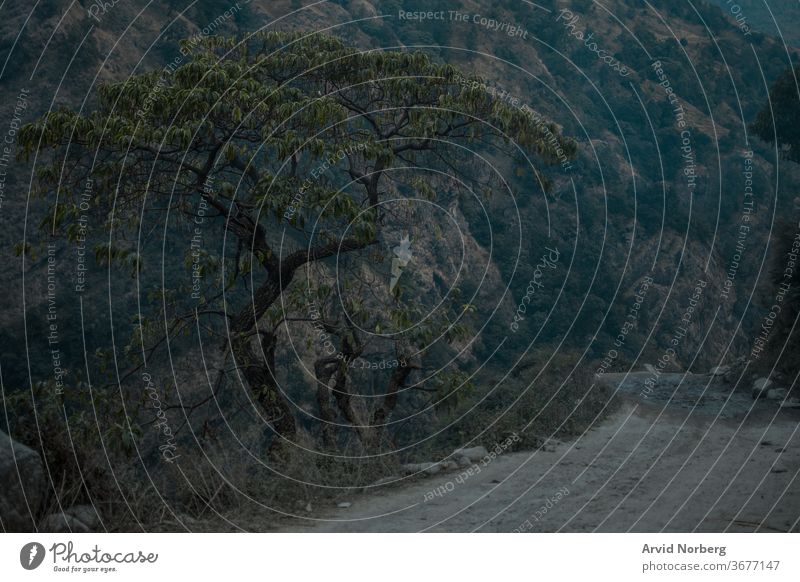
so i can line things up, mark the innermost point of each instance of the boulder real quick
(85, 514)
(62, 523)
(719, 371)
(463, 461)
(776, 393)
(762, 383)
(760, 388)
(23, 485)
(450, 465)
(474, 454)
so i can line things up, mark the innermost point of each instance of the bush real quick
(66, 427)
(560, 403)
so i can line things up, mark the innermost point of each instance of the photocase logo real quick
(402, 256)
(31, 555)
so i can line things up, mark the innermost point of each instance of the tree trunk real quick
(382, 414)
(344, 399)
(258, 371)
(324, 369)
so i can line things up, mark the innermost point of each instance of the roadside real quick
(647, 467)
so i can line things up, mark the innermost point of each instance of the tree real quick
(779, 119)
(290, 143)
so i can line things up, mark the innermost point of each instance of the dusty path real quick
(645, 468)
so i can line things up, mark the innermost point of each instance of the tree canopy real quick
(286, 147)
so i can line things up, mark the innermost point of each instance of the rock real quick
(449, 465)
(344, 505)
(62, 523)
(309, 509)
(23, 485)
(776, 393)
(426, 468)
(760, 388)
(474, 454)
(85, 514)
(719, 371)
(762, 383)
(463, 461)
(791, 403)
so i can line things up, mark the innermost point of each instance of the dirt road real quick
(648, 467)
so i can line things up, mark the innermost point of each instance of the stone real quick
(474, 454)
(23, 485)
(450, 465)
(85, 514)
(776, 393)
(760, 388)
(62, 523)
(762, 383)
(343, 505)
(463, 461)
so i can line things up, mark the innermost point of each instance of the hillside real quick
(652, 246)
(776, 18)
